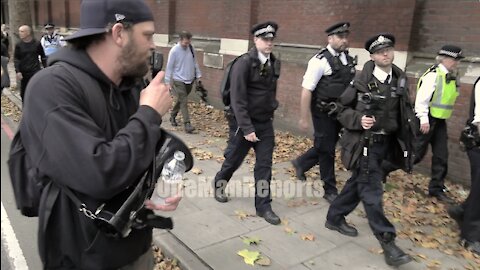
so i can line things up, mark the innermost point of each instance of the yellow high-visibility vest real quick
(444, 96)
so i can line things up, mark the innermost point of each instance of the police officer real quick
(372, 112)
(253, 85)
(467, 214)
(51, 41)
(436, 95)
(328, 74)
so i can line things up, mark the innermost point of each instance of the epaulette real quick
(433, 68)
(320, 55)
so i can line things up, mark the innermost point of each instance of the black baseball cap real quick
(95, 15)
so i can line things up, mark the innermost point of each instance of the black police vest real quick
(383, 102)
(471, 113)
(330, 87)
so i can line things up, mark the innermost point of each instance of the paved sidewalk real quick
(208, 234)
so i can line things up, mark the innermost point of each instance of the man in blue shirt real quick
(182, 70)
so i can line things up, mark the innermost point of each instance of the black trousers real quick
(323, 151)
(367, 188)
(235, 153)
(437, 138)
(471, 220)
(24, 82)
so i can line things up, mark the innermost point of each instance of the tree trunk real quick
(19, 13)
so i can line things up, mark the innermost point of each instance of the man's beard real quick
(130, 65)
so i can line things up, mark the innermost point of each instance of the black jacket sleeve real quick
(67, 145)
(17, 55)
(347, 115)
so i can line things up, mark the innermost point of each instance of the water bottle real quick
(171, 178)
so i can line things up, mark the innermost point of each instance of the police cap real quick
(338, 28)
(379, 42)
(451, 51)
(265, 30)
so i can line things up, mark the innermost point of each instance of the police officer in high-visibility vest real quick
(436, 95)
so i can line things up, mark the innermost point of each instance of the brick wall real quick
(212, 18)
(437, 22)
(304, 21)
(419, 26)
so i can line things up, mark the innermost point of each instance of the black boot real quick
(394, 256)
(298, 171)
(269, 216)
(189, 128)
(456, 212)
(219, 191)
(173, 121)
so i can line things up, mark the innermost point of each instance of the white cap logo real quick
(270, 29)
(119, 17)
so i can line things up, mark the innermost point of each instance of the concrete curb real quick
(172, 247)
(13, 97)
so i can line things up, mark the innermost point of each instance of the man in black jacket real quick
(27, 52)
(374, 111)
(98, 153)
(328, 74)
(253, 101)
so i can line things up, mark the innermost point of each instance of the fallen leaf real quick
(242, 214)
(432, 244)
(263, 261)
(251, 240)
(422, 256)
(249, 257)
(307, 237)
(375, 250)
(289, 230)
(197, 171)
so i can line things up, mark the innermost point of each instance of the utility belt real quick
(469, 138)
(378, 137)
(326, 106)
(229, 115)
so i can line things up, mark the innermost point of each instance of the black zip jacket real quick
(253, 90)
(401, 149)
(97, 162)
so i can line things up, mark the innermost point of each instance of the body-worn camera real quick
(371, 102)
(469, 137)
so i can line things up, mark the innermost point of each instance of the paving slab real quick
(206, 227)
(289, 249)
(224, 256)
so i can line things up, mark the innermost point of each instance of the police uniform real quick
(436, 95)
(253, 102)
(328, 74)
(51, 43)
(381, 95)
(467, 214)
